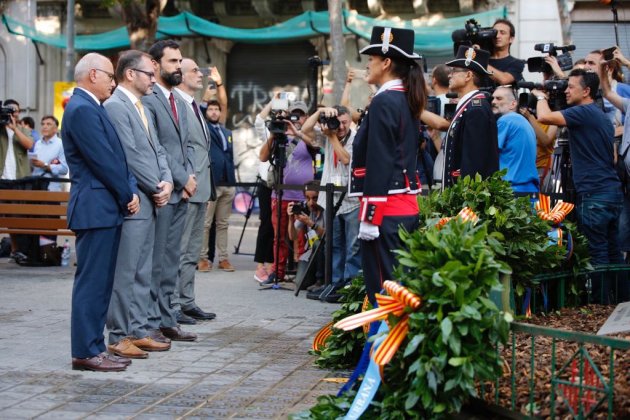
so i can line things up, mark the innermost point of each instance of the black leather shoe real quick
(315, 294)
(197, 313)
(184, 319)
(177, 334)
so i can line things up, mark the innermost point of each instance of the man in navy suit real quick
(103, 192)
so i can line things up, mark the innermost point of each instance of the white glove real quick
(368, 231)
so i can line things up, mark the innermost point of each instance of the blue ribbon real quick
(363, 361)
(371, 380)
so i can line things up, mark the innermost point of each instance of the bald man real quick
(103, 192)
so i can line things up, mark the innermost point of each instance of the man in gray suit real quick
(198, 140)
(169, 114)
(129, 307)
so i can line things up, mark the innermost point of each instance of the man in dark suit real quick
(169, 113)
(103, 192)
(471, 145)
(199, 142)
(129, 334)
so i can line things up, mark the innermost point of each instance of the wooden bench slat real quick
(33, 209)
(60, 232)
(33, 223)
(34, 195)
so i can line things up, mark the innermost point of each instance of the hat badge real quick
(470, 55)
(391, 37)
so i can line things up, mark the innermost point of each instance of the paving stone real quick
(20, 414)
(62, 415)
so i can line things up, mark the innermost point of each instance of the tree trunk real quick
(141, 18)
(337, 43)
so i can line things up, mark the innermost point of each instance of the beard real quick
(172, 79)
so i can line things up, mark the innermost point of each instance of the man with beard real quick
(223, 172)
(127, 323)
(169, 113)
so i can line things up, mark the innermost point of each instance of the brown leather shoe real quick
(126, 348)
(149, 344)
(98, 363)
(157, 335)
(204, 265)
(177, 334)
(225, 266)
(123, 360)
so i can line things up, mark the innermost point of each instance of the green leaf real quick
(413, 344)
(457, 361)
(447, 327)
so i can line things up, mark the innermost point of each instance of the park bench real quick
(34, 212)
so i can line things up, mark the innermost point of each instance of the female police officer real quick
(385, 150)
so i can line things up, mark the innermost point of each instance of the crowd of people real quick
(153, 175)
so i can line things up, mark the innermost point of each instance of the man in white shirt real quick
(48, 159)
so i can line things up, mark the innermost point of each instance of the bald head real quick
(95, 73)
(503, 100)
(87, 62)
(192, 78)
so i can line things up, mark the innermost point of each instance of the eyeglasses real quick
(148, 73)
(110, 75)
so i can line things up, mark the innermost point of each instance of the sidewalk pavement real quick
(250, 362)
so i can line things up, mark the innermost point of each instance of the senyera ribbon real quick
(399, 303)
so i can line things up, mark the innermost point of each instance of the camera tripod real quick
(279, 161)
(559, 183)
(248, 213)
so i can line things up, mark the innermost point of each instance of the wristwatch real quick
(541, 98)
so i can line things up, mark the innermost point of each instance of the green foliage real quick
(451, 336)
(511, 221)
(343, 348)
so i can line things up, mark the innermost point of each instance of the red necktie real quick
(171, 99)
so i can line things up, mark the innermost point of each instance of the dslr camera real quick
(5, 114)
(277, 124)
(473, 34)
(331, 122)
(537, 64)
(300, 208)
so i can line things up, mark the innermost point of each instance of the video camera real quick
(300, 208)
(554, 87)
(434, 105)
(473, 34)
(5, 114)
(538, 64)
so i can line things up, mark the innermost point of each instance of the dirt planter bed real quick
(517, 396)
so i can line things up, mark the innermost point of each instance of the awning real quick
(433, 35)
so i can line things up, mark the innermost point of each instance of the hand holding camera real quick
(328, 120)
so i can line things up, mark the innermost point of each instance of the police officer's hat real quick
(392, 43)
(472, 59)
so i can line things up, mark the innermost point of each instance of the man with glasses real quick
(127, 317)
(470, 146)
(104, 191)
(199, 144)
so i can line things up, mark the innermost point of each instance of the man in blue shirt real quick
(517, 143)
(599, 194)
(48, 159)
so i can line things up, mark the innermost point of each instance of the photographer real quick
(599, 195)
(471, 141)
(308, 220)
(505, 69)
(15, 141)
(298, 170)
(335, 124)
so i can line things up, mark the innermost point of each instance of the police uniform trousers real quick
(378, 257)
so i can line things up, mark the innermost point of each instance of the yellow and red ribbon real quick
(319, 342)
(466, 215)
(555, 215)
(399, 303)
